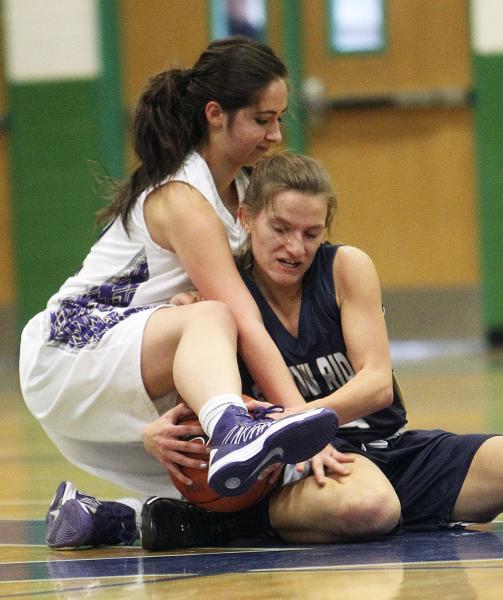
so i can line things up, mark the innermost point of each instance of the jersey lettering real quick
(335, 369)
(305, 379)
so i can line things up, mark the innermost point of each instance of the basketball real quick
(202, 495)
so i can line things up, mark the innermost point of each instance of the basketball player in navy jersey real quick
(321, 304)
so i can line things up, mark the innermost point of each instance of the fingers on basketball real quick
(202, 495)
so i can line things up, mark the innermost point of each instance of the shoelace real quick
(261, 412)
(90, 503)
(244, 433)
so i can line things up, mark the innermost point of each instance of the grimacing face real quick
(285, 235)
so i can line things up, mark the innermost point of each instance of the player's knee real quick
(215, 312)
(367, 515)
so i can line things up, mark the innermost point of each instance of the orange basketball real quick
(202, 495)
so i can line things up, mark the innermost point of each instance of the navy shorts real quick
(426, 468)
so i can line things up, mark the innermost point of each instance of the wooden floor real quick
(457, 386)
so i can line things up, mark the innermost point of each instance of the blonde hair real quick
(285, 171)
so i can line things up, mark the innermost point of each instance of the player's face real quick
(253, 130)
(286, 235)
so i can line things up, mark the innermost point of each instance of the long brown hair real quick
(170, 116)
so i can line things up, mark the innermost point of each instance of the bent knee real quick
(166, 325)
(214, 310)
(371, 514)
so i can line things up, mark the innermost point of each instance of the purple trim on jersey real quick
(82, 321)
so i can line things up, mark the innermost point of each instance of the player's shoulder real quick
(351, 257)
(354, 271)
(177, 202)
(177, 193)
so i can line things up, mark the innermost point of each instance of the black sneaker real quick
(168, 524)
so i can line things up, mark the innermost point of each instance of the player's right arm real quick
(163, 438)
(181, 220)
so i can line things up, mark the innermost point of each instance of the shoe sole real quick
(288, 441)
(72, 528)
(65, 491)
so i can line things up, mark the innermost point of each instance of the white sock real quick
(136, 504)
(213, 409)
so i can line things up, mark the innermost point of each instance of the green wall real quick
(63, 132)
(488, 111)
(53, 134)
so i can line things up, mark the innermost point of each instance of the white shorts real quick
(93, 405)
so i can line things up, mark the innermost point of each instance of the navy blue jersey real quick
(317, 357)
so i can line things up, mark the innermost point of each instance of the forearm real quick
(364, 394)
(267, 367)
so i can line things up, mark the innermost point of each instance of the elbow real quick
(385, 394)
(381, 391)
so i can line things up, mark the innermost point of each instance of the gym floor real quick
(455, 385)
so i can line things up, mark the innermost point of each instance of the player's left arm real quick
(358, 294)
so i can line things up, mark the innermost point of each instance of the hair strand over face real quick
(285, 171)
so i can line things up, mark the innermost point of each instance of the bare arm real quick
(359, 297)
(181, 220)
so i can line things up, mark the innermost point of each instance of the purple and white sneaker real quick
(243, 445)
(77, 520)
(65, 491)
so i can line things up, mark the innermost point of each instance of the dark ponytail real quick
(170, 116)
(163, 121)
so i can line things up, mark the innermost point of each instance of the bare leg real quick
(481, 497)
(193, 349)
(360, 505)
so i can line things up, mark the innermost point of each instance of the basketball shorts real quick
(93, 405)
(427, 469)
